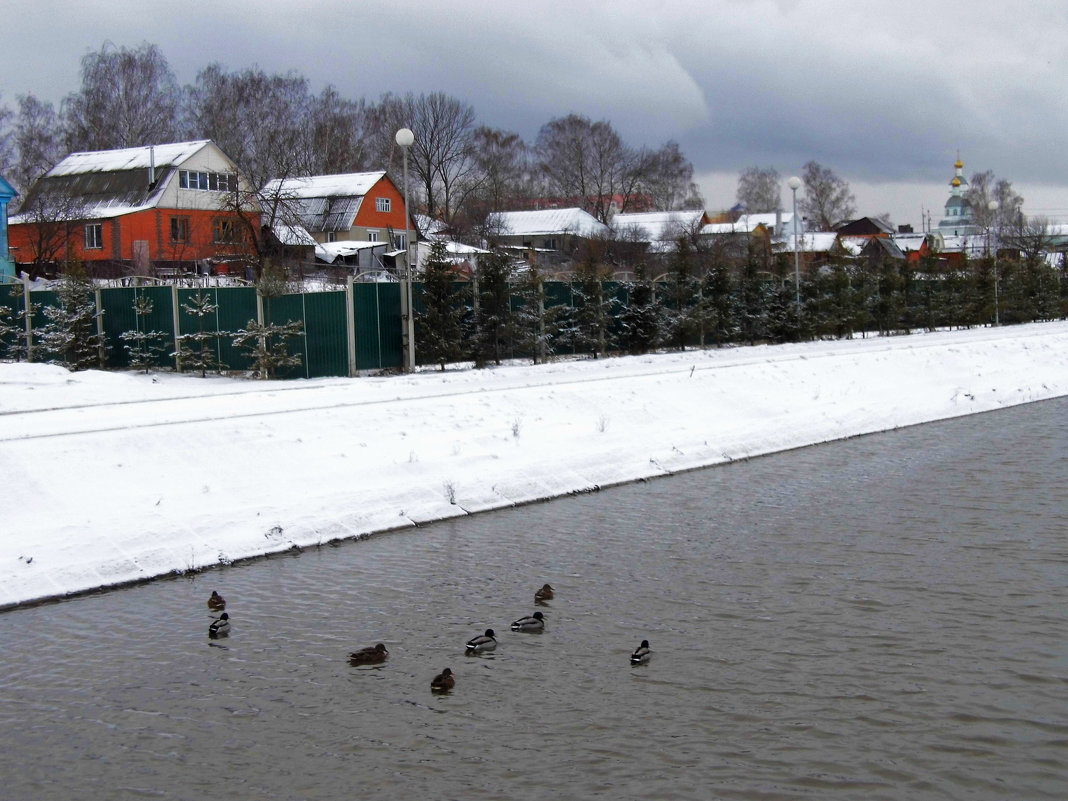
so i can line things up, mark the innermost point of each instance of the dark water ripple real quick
(874, 619)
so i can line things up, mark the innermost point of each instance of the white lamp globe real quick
(405, 137)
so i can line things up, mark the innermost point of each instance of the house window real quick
(331, 236)
(550, 244)
(207, 181)
(400, 241)
(223, 231)
(372, 236)
(179, 229)
(382, 204)
(94, 236)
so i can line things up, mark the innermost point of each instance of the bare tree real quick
(828, 199)
(7, 149)
(338, 129)
(667, 178)
(982, 189)
(441, 158)
(56, 219)
(760, 189)
(587, 163)
(128, 98)
(36, 140)
(261, 121)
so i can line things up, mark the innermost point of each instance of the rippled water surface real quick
(882, 618)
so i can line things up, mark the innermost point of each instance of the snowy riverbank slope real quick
(114, 477)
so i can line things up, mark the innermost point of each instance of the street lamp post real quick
(795, 183)
(992, 206)
(405, 138)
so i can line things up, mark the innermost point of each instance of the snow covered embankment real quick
(115, 477)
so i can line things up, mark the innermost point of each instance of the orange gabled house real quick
(140, 210)
(349, 207)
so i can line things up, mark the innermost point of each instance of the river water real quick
(880, 618)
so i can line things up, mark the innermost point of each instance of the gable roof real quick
(110, 183)
(658, 226)
(325, 202)
(548, 221)
(127, 158)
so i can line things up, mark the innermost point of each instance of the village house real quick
(7, 194)
(354, 218)
(550, 236)
(156, 210)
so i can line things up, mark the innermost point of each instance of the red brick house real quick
(139, 210)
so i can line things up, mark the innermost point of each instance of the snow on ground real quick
(116, 477)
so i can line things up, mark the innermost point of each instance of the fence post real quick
(350, 325)
(28, 317)
(101, 351)
(177, 329)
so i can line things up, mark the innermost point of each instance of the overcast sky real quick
(884, 93)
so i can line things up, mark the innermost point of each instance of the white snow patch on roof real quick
(548, 221)
(128, 158)
(353, 184)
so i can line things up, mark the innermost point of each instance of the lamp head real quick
(794, 183)
(405, 137)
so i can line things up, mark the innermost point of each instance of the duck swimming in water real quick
(535, 622)
(443, 682)
(216, 603)
(374, 655)
(220, 627)
(544, 594)
(641, 654)
(481, 643)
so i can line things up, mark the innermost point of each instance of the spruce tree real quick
(594, 309)
(439, 326)
(71, 337)
(719, 311)
(144, 348)
(681, 298)
(641, 320)
(493, 316)
(198, 350)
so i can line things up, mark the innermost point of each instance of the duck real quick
(481, 643)
(544, 594)
(443, 682)
(535, 622)
(641, 654)
(220, 627)
(216, 603)
(369, 656)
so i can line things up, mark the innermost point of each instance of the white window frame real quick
(372, 236)
(94, 236)
(383, 204)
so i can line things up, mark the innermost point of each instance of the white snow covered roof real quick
(658, 225)
(127, 158)
(352, 184)
(548, 221)
(331, 251)
(292, 234)
(748, 223)
(810, 242)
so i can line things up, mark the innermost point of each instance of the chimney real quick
(151, 166)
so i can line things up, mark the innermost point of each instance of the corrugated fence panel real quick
(119, 316)
(11, 300)
(377, 308)
(326, 351)
(289, 309)
(237, 305)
